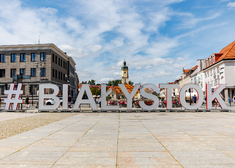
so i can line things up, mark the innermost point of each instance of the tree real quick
(131, 83)
(91, 82)
(114, 82)
(95, 91)
(84, 82)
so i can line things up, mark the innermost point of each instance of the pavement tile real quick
(85, 161)
(129, 161)
(143, 140)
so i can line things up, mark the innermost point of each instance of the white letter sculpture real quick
(215, 95)
(15, 100)
(90, 100)
(169, 88)
(150, 96)
(199, 99)
(103, 99)
(128, 95)
(42, 96)
(65, 96)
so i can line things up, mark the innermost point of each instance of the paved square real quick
(135, 140)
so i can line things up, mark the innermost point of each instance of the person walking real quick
(229, 101)
(27, 101)
(194, 99)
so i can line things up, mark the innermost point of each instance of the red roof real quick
(117, 89)
(227, 52)
(193, 69)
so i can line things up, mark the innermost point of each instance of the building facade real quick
(125, 73)
(185, 78)
(198, 76)
(32, 64)
(219, 69)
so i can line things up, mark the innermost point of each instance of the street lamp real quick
(40, 65)
(68, 80)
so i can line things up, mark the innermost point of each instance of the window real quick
(43, 71)
(59, 74)
(22, 57)
(13, 72)
(33, 72)
(2, 89)
(61, 63)
(53, 58)
(22, 71)
(13, 57)
(55, 73)
(33, 57)
(34, 88)
(2, 58)
(23, 88)
(2, 72)
(42, 56)
(56, 59)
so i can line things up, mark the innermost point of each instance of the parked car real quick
(122, 103)
(52, 101)
(136, 104)
(113, 103)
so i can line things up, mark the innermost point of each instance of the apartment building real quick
(32, 64)
(219, 69)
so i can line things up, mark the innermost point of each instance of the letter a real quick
(90, 100)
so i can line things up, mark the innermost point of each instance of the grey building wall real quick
(56, 65)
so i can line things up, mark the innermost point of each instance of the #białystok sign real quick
(129, 96)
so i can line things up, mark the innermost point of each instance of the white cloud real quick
(117, 74)
(160, 74)
(94, 48)
(48, 10)
(101, 34)
(231, 4)
(85, 73)
(192, 21)
(73, 52)
(106, 79)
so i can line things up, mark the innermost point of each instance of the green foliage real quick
(95, 91)
(114, 82)
(91, 82)
(131, 83)
(108, 97)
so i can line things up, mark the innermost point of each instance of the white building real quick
(219, 69)
(198, 76)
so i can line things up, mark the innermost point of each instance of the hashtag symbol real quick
(12, 92)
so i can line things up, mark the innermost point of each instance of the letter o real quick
(182, 96)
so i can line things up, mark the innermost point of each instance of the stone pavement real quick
(135, 140)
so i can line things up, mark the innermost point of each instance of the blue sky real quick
(156, 38)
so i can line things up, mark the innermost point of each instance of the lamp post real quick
(68, 80)
(40, 65)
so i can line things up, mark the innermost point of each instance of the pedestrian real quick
(233, 99)
(69, 100)
(194, 99)
(229, 101)
(27, 101)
